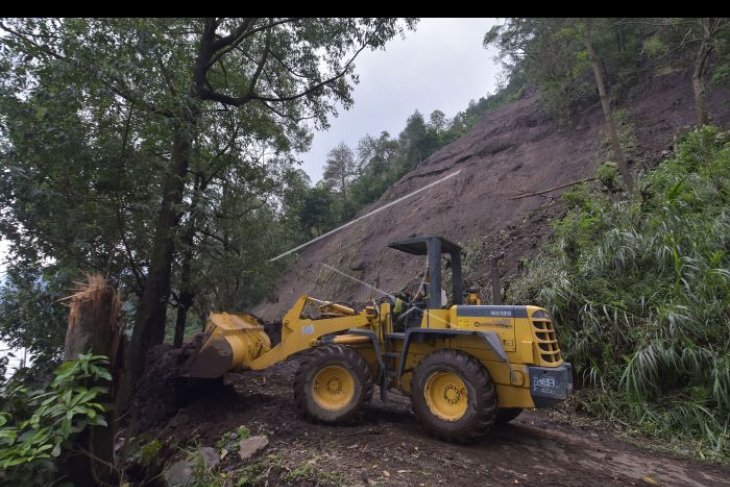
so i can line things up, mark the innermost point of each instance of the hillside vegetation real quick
(641, 289)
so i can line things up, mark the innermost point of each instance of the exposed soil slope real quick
(515, 149)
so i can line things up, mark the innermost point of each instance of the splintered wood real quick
(93, 320)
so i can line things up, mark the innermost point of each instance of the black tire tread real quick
(327, 355)
(471, 371)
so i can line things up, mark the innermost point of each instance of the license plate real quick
(551, 383)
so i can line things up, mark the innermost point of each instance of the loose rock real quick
(251, 446)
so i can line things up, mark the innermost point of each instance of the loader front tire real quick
(332, 384)
(453, 396)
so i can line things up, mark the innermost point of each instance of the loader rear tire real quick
(453, 396)
(332, 384)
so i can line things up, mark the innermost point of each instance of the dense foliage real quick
(641, 290)
(37, 426)
(160, 152)
(554, 54)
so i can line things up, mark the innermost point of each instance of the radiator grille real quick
(547, 343)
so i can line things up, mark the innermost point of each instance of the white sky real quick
(442, 65)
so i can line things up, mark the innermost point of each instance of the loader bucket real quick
(230, 340)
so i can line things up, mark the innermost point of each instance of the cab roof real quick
(419, 245)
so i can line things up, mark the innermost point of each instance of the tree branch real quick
(286, 66)
(239, 101)
(120, 204)
(110, 83)
(222, 42)
(165, 74)
(27, 39)
(227, 44)
(262, 63)
(225, 244)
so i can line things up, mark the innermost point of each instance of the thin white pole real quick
(369, 214)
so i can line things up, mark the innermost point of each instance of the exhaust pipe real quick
(496, 285)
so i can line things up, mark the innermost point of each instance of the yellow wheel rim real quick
(446, 396)
(333, 387)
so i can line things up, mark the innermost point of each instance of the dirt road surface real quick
(388, 447)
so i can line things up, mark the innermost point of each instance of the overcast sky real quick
(442, 65)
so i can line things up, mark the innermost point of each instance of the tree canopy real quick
(157, 150)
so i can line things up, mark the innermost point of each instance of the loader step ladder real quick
(385, 369)
(392, 359)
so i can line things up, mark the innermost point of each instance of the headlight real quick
(540, 315)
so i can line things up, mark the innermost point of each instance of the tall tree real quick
(339, 168)
(707, 27)
(316, 212)
(375, 155)
(375, 168)
(553, 54)
(416, 143)
(600, 76)
(699, 45)
(438, 121)
(269, 74)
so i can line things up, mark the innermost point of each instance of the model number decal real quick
(497, 312)
(308, 329)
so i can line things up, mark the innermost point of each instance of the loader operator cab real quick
(431, 283)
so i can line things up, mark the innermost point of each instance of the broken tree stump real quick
(93, 326)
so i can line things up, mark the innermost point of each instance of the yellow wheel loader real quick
(464, 365)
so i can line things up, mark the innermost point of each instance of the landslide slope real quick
(515, 149)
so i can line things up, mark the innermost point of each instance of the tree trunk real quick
(149, 326)
(600, 76)
(187, 294)
(701, 67)
(93, 326)
(186, 302)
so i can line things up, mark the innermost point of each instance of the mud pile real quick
(162, 391)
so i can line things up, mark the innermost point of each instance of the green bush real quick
(37, 427)
(607, 173)
(641, 292)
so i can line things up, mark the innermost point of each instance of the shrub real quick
(37, 427)
(641, 292)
